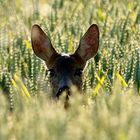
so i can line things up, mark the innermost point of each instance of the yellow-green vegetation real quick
(110, 106)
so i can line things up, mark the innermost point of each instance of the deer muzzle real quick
(64, 87)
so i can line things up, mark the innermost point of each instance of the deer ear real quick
(41, 44)
(89, 43)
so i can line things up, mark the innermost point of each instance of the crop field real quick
(109, 108)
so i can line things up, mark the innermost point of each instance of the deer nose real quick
(62, 89)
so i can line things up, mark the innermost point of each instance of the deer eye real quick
(78, 72)
(51, 73)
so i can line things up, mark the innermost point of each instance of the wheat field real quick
(109, 108)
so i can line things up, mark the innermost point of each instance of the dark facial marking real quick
(64, 73)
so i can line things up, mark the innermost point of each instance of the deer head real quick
(65, 70)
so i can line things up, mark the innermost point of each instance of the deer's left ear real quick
(89, 43)
(41, 44)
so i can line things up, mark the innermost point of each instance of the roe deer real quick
(65, 70)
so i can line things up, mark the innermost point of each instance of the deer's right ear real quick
(41, 44)
(89, 43)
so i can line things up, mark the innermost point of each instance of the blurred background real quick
(115, 70)
(65, 22)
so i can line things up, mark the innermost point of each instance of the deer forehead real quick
(65, 63)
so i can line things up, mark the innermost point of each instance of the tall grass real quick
(22, 74)
(108, 117)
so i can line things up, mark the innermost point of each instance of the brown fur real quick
(65, 70)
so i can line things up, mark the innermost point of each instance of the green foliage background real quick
(115, 70)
